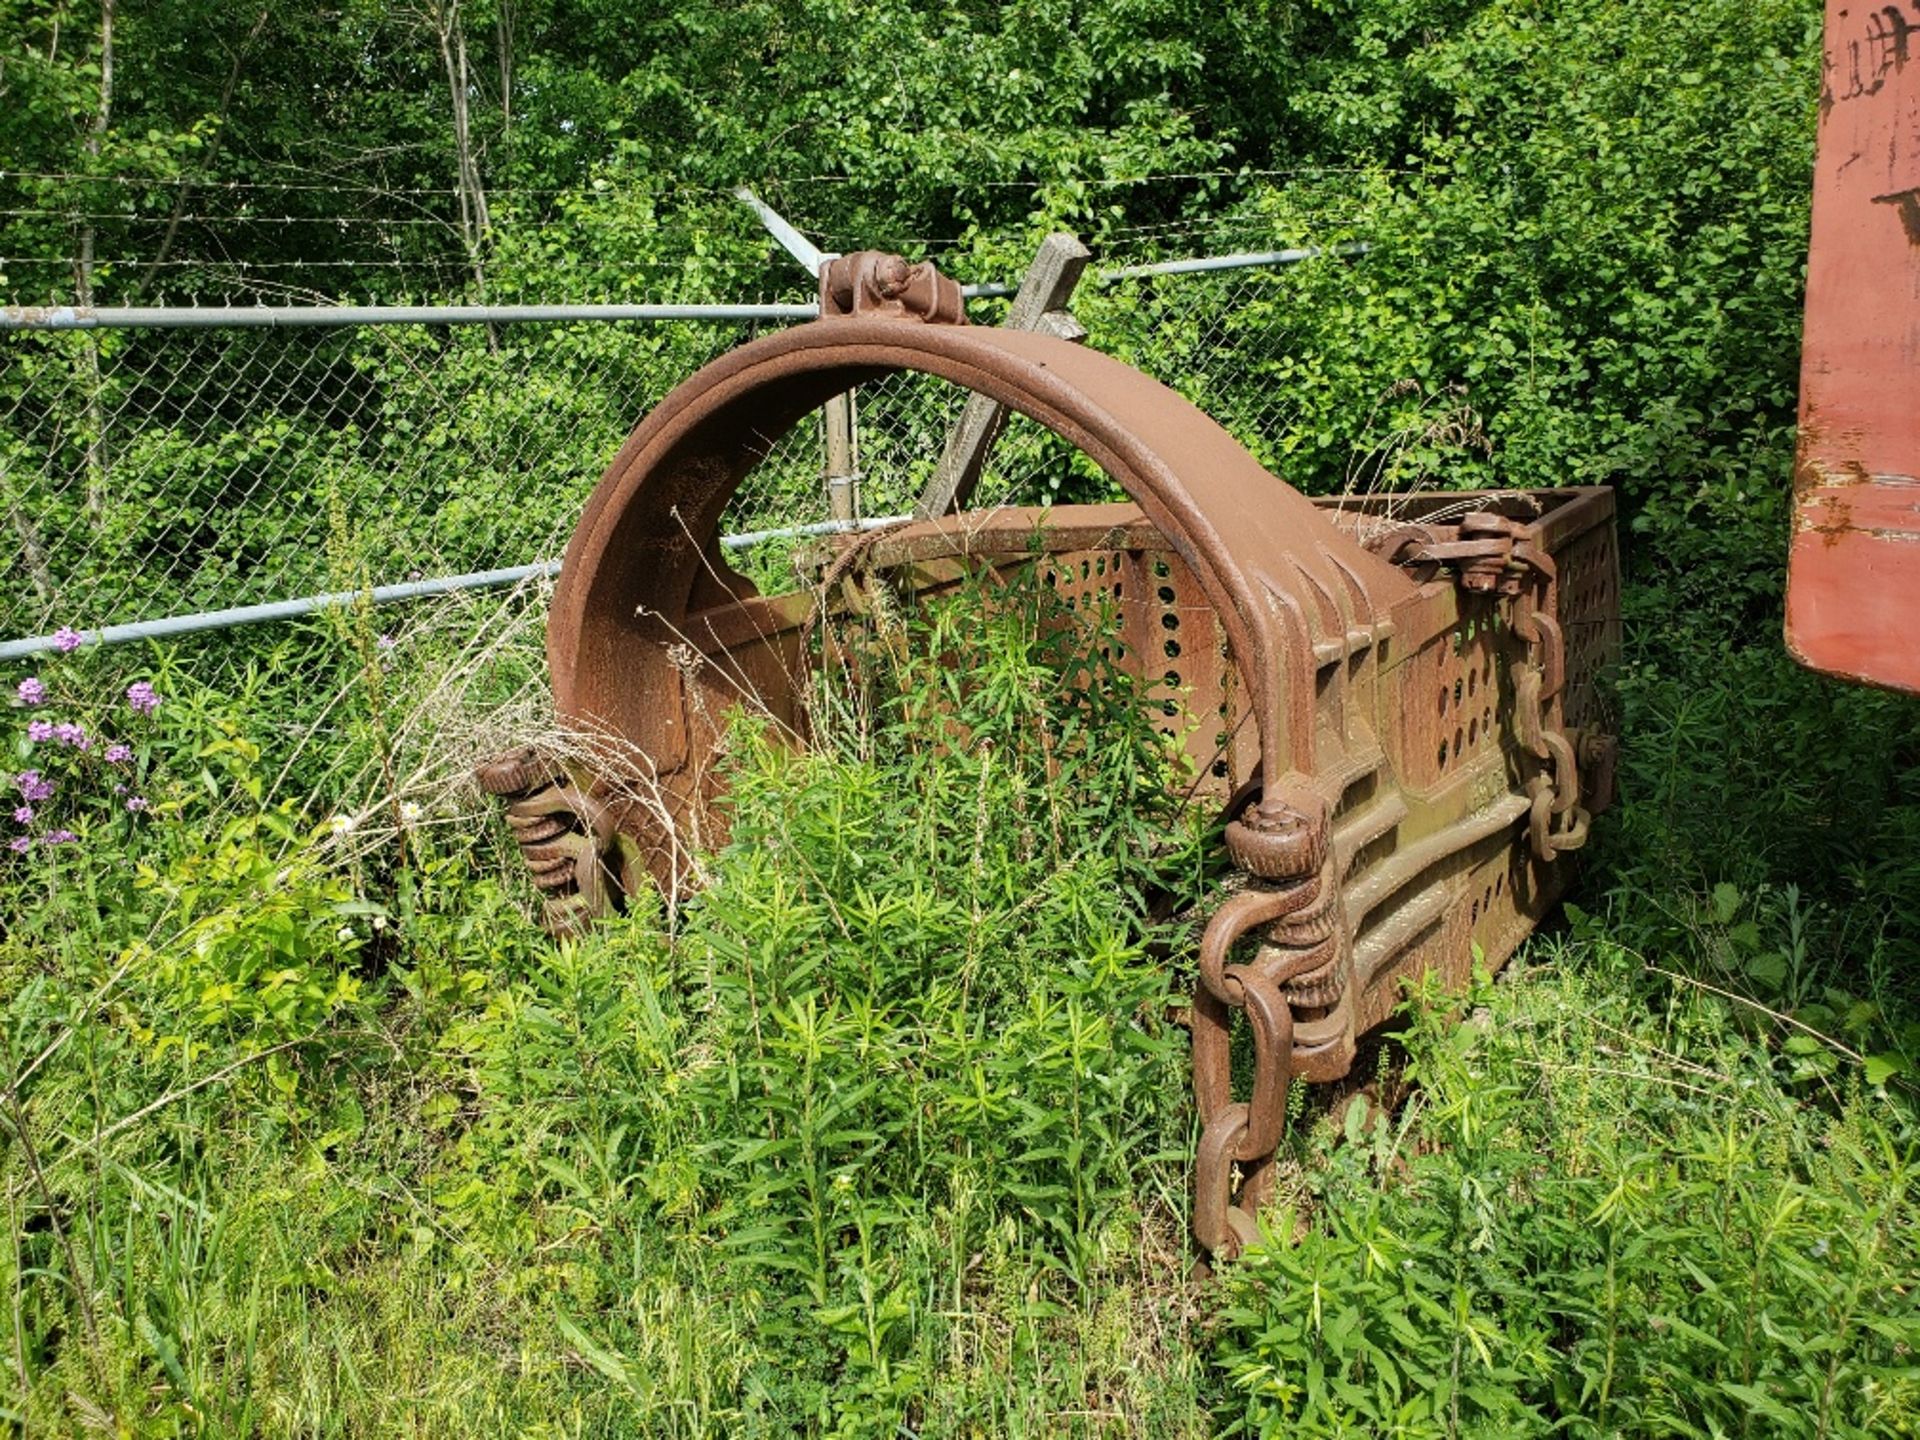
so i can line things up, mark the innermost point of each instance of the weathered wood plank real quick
(1039, 305)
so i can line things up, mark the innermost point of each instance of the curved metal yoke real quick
(646, 558)
(1417, 672)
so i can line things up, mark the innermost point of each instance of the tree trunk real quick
(33, 549)
(207, 159)
(475, 222)
(503, 46)
(474, 219)
(96, 455)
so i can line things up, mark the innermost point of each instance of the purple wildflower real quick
(136, 803)
(23, 815)
(58, 837)
(39, 730)
(32, 691)
(19, 844)
(32, 788)
(119, 753)
(67, 639)
(386, 642)
(141, 697)
(68, 733)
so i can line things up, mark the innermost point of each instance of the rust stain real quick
(1836, 521)
(1907, 204)
(1853, 590)
(1813, 471)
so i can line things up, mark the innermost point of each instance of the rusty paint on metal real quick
(1395, 705)
(1853, 579)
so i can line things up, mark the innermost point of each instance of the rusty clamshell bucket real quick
(1395, 694)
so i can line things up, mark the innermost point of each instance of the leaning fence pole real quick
(839, 423)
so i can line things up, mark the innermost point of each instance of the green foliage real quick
(904, 1060)
(888, 1127)
(305, 1132)
(260, 943)
(1704, 1255)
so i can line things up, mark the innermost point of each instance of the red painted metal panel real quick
(1853, 586)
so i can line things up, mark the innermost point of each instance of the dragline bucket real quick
(1390, 699)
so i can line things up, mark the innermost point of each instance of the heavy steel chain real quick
(1493, 553)
(1556, 821)
(1243, 1135)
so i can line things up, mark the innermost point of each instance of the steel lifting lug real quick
(873, 284)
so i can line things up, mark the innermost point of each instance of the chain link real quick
(1238, 1134)
(1556, 821)
(146, 473)
(1491, 554)
(1243, 1135)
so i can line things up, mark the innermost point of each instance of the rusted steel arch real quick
(645, 555)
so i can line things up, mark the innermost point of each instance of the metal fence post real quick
(838, 418)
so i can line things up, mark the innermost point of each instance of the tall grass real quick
(306, 1131)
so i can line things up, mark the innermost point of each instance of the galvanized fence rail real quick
(170, 470)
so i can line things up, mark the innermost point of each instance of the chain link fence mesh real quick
(158, 472)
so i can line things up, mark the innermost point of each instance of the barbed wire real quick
(165, 217)
(1111, 182)
(589, 191)
(605, 187)
(66, 262)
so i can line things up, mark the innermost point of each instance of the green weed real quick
(1605, 1212)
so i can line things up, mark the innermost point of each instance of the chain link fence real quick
(157, 472)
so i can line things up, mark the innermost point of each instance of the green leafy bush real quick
(905, 1062)
(260, 938)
